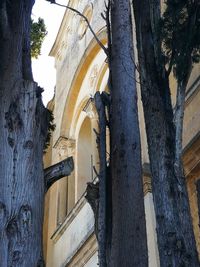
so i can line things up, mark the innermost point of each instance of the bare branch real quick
(58, 171)
(103, 16)
(97, 138)
(107, 19)
(95, 171)
(86, 20)
(178, 122)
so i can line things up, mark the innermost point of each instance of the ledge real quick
(84, 252)
(191, 154)
(69, 218)
(192, 91)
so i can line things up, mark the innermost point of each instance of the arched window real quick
(84, 157)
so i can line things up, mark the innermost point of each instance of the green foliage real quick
(180, 32)
(51, 128)
(38, 33)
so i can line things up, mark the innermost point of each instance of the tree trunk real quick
(128, 247)
(101, 236)
(23, 128)
(175, 235)
(22, 182)
(198, 197)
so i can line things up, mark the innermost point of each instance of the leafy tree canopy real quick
(38, 33)
(180, 36)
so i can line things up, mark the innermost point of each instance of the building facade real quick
(81, 70)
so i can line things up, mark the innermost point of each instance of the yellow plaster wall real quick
(191, 185)
(81, 71)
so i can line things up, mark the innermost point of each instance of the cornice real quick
(192, 91)
(62, 29)
(68, 220)
(191, 155)
(84, 252)
(147, 188)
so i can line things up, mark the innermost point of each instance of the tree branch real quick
(178, 123)
(58, 171)
(86, 20)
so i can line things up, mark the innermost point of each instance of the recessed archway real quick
(84, 157)
(69, 109)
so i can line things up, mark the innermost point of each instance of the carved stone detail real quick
(65, 147)
(147, 188)
(90, 108)
(93, 75)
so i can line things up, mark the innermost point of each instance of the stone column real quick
(71, 178)
(91, 112)
(66, 184)
(150, 219)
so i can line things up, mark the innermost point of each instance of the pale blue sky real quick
(43, 67)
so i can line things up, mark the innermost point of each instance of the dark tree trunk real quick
(198, 198)
(128, 245)
(23, 128)
(175, 235)
(101, 236)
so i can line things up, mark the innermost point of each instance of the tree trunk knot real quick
(13, 119)
(28, 145)
(12, 228)
(2, 211)
(25, 218)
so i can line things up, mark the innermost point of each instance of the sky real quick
(43, 67)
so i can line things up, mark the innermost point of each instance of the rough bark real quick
(58, 171)
(175, 235)
(22, 185)
(198, 198)
(23, 128)
(178, 122)
(102, 180)
(128, 247)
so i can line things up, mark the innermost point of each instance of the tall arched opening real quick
(84, 157)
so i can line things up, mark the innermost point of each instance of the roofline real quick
(65, 18)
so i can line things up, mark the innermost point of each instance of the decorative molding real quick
(147, 188)
(192, 91)
(90, 108)
(93, 75)
(65, 147)
(84, 252)
(146, 169)
(68, 220)
(191, 162)
(83, 26)
(69, 29)
(65, 26)
(191, 155)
